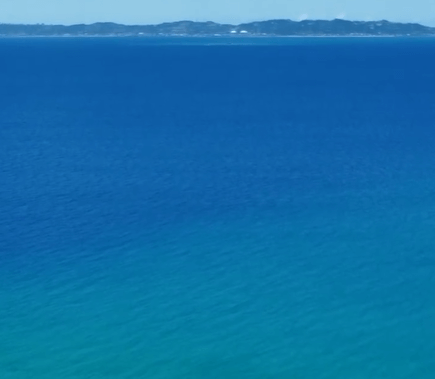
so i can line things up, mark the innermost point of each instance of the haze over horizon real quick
(222, 11)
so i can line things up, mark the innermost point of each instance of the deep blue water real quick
(193, 208)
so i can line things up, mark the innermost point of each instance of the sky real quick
(224, 11)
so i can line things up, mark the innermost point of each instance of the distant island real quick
(307, 28)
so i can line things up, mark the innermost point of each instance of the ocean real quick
(217, 208)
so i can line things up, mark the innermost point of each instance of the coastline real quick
(228, 36)
(276, 28)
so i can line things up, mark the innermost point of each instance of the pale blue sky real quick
(233, 11)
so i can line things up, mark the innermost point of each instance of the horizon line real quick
(220, 23)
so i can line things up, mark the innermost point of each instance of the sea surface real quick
(217, 208)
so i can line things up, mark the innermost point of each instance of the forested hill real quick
(269, 28)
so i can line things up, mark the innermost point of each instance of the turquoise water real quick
(182, 210)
